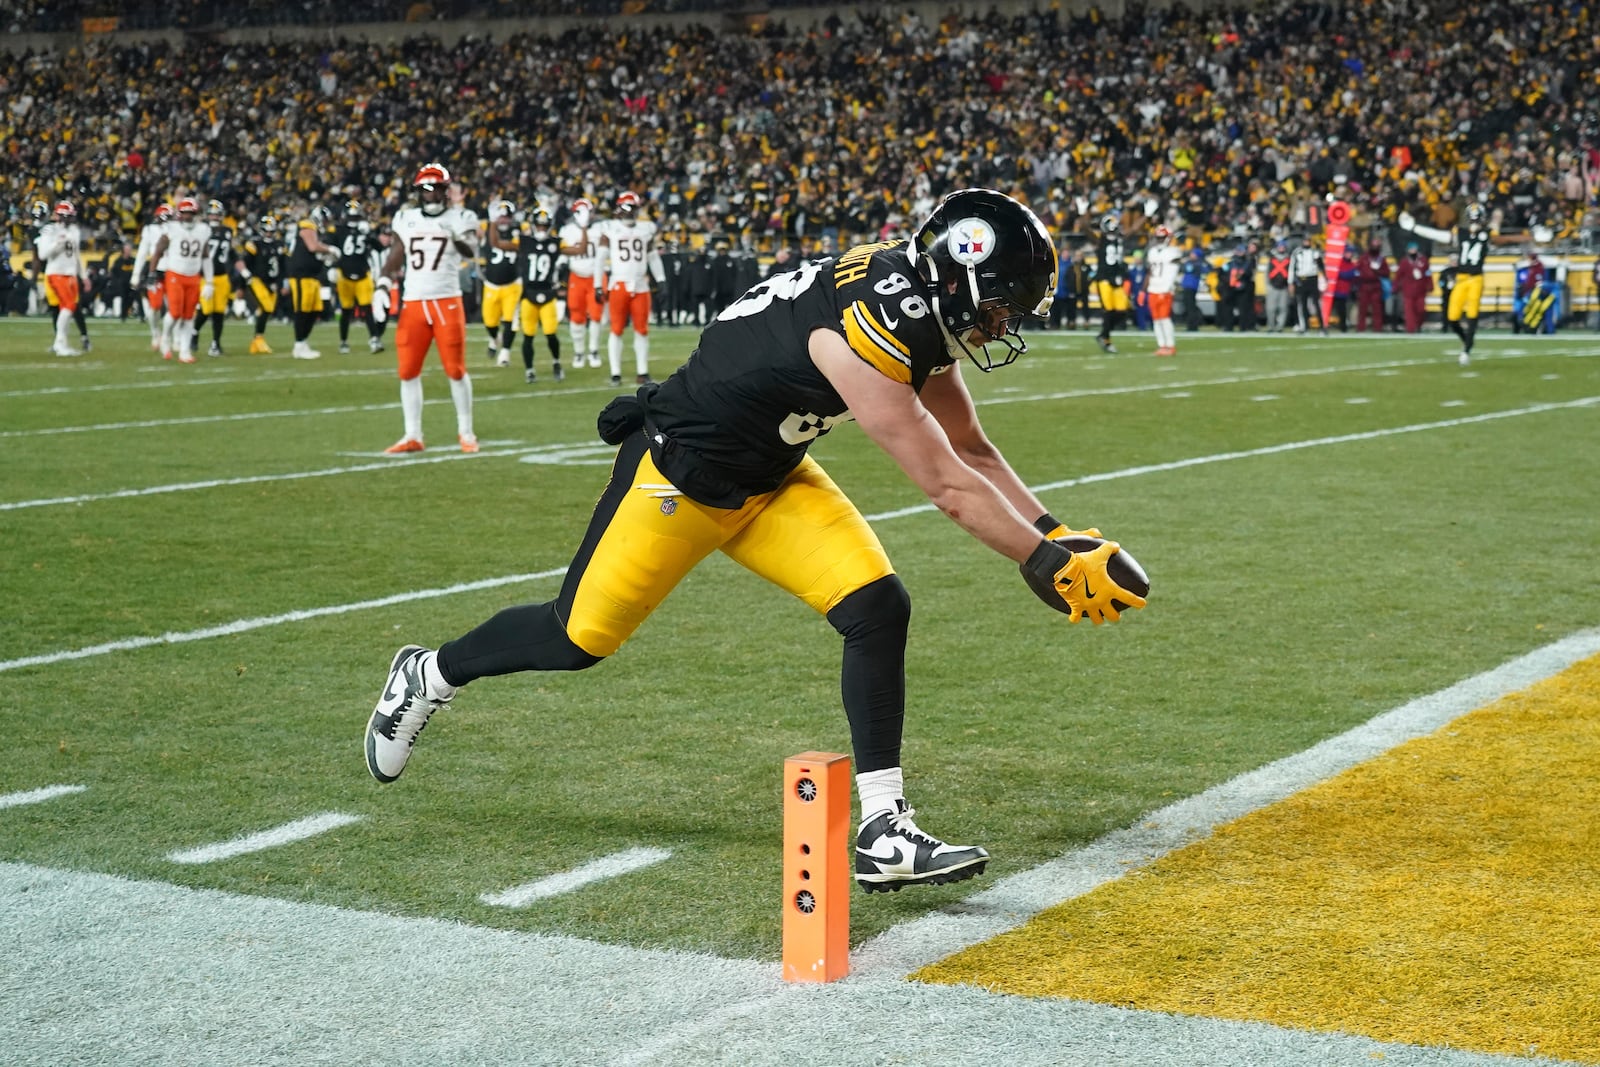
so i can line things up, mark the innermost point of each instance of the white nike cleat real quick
(403, 710)
(891, 853)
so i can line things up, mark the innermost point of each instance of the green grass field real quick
(1331, 527)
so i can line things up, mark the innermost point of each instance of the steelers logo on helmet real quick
(987, 263)
(971, 242)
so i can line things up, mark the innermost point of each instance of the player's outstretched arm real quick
(897, 422)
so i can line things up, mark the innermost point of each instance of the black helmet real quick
(988, 262)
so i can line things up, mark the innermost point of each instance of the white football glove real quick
(1407, 223)
(207, 291)
(380, 304)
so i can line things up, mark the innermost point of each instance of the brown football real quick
(1122, 567)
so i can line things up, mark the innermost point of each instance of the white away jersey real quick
(581, 263)
(188, 247)
(1163, 261)
(147, 248)
(58, 245)
(627, 262)
(433, 263)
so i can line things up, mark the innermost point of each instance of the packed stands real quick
(836, 125)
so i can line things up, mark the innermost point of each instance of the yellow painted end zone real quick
(1445, 893)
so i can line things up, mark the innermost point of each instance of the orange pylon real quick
(816, 867)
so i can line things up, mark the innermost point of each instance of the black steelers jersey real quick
(219, 246)
(304, 263)
(1474, 246)
(739, 415)
(500, 264)
(1110, 266)
(263, 258)
(538, 267)
(354, 242)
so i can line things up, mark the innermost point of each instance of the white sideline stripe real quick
(491, 453)
(389, 463)
(293, 413)
(38, 796)
(1015, 899)
(243, 625)
(1270, 450)
(618, 863)
(240, 626)
(1235, 378)
(289, 832)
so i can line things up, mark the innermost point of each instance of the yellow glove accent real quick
(1078, 585)
(1055, 530)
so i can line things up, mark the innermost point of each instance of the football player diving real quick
(715, 459)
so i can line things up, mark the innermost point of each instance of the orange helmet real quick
(65, 210)
(163, 212)
(187, 206)
(431, 182)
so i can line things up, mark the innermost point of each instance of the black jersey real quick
(263, 258)
(1110, 266)
(1474, 247)
(739, 415)
(354, 242)
(304, 263)
(538, 267)
(220, 248)
(500, 264)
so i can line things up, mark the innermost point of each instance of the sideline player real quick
(583, 301)
(502, 283)
(184, 246)
(219, 246)
(353, 283)
(627, 257)
(539, 252)
(60, 249)
(1110, 272)
(715, 459)
(263, 268)
(430, 242)
(309, 259)
(1471, 241)
(147, 275)
(1163, 257)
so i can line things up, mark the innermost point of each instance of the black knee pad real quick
(883, 605)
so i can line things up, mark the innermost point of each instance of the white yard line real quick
(243, 625)
(287, 834)
(612, 866)
(240, 626)
(39, 796)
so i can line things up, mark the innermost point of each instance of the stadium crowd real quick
(1224, 122)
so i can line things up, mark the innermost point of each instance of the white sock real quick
(461, 393)
(63, 325)
(641, 352)
(166, 330)
(614, 351)
(879, 790)
(411, 407)
(577, 340)
(594, 340)
(433, 683)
